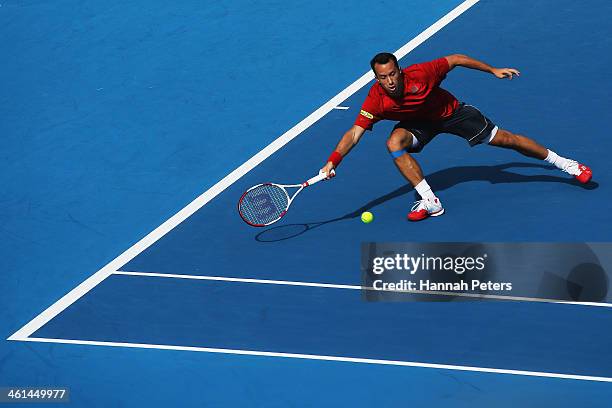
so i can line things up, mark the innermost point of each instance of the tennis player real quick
(412, 96)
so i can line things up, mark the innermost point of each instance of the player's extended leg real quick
(399, 144)
(531, 148)
(521, 144)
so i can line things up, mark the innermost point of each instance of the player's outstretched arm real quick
(460, 60)
(346, 143)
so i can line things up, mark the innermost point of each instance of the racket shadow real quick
(288, 231)
(440, 181)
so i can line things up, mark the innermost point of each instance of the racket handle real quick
(317, 178)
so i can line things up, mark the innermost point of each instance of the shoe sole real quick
(436, 214)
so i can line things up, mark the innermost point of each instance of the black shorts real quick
(466, 122)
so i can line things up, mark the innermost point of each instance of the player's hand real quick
(502, 73)
(327, 169)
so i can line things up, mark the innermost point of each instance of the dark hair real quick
(383, 58)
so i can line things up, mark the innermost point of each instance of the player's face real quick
(390, 77)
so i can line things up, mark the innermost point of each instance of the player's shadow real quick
(440, 180)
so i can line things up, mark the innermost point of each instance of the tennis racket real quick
(266, 203)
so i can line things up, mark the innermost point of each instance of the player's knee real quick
(505, 138)
(394, 144)
(398, 140)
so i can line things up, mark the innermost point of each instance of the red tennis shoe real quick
(425, 208)
(586, 174)
(580, 171)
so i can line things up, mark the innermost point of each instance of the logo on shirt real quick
(366, 114)
(414, 89)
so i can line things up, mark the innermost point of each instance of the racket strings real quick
(264, 204)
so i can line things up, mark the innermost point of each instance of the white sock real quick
(560, 162)
(425, 191)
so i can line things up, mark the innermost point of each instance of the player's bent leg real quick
(531, 148)
(399, 144)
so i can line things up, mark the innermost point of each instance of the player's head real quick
(388, 73)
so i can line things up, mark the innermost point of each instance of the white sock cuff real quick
(424, 190)
(551, 157)
(422, 186)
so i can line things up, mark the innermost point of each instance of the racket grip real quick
(317, 178)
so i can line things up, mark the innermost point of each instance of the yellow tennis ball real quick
(367, 217)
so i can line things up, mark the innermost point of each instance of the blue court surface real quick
(119, 118)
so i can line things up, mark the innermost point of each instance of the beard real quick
(399, 91)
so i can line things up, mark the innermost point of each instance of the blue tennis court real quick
(134, 129)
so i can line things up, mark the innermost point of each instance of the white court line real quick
(357, 287)
(152, 237)
(326, 358)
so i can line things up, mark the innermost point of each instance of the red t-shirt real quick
(423, 98)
